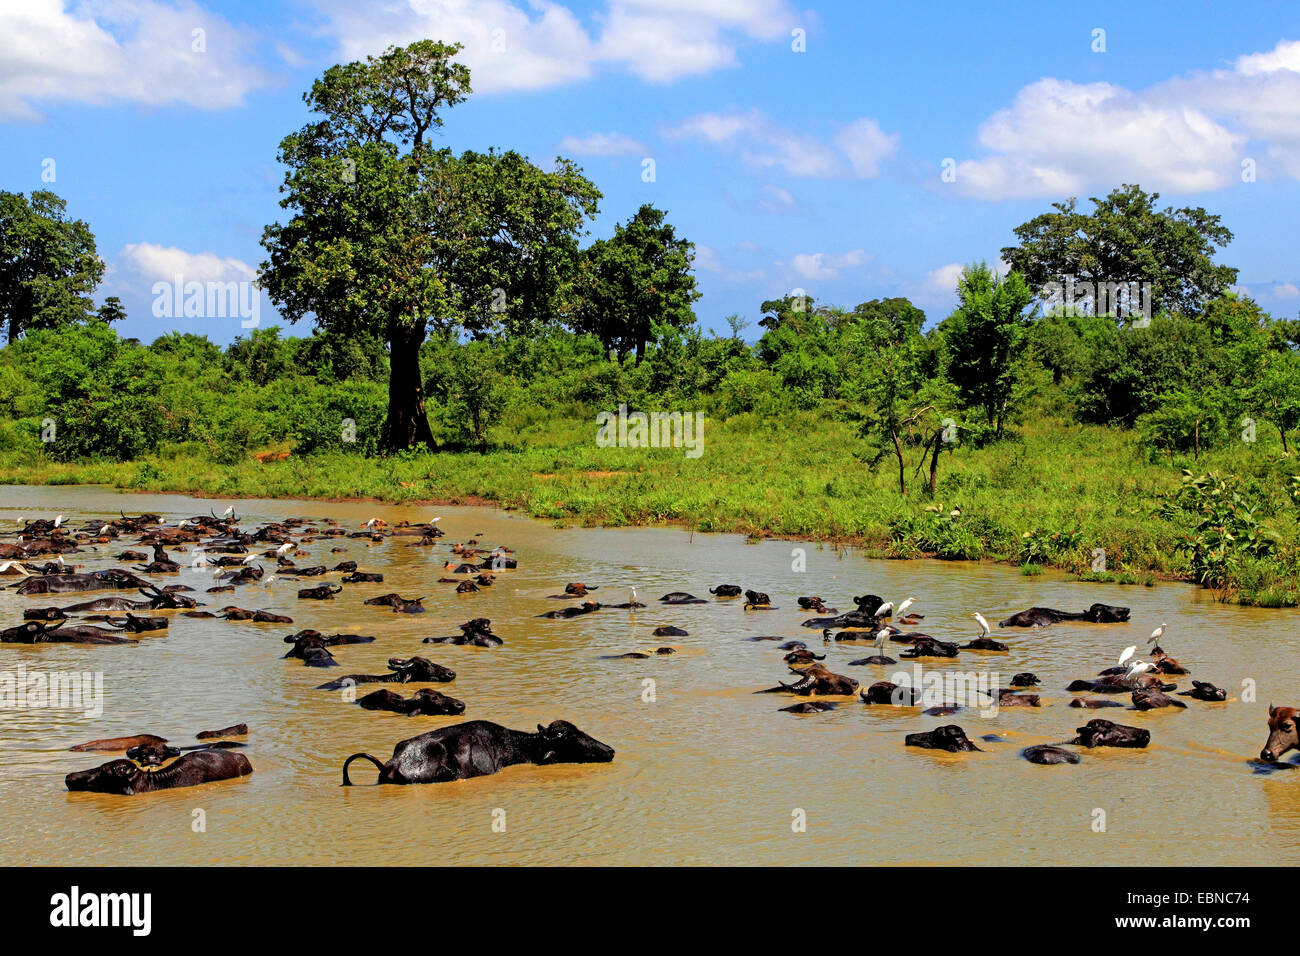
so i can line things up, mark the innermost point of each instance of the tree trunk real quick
(1282, 431)
(934, 460)
(902, 474)
(1196, 448)
(406, 424)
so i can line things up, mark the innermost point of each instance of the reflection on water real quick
(707, 772)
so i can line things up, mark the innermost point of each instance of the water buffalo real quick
(886, 692)
(311, 647)
(985, 643)
(815, 604)
(586, 607)
(425, 701)
(59, 632)
(1204, 690)
(477, 633)
(757, 600)
(126, 778)
(1150, 699)
(1166, 664)
(478, 747)
(1049, 754)
(926, 646)
(681, 597)
(802, 656)
(1104, 733)
(1043, 616)
(119, 744)
(401, 671)
(810, 707)
(234, 730)
(322, 592)
(815, 680)
(1094, 703)
(668, 630)
(112, 579)
(727, 590)
(949, 737)
(1283, 733)
(1025, 679)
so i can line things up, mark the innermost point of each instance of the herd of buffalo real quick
(43, 558)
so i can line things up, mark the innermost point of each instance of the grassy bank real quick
(1050, 496)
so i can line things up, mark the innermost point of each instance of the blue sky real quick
(817, 170)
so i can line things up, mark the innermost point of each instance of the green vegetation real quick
(463, 344)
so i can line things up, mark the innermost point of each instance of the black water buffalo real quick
(112, 579)
(1025, 679)
(477, 633)
(756, 600)
(59, 632)
(1049, 754)
(926, 646)
(1043, 616)
(311, 647)
(949, 737)
(810, 707)
(1204, 690)
(1093, 703)
(1104, 733)
(668, 630)
(1151, 699)
(401, 671)
(126, 778)
(815, 680)
(234, 730)
(815, 604)
(984, 643)
(479, 747)
(586, 607)
(425, 701)
(681, 597)
(886, 692)
(322, 592)
(727, 590)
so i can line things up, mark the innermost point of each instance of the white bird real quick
(284, 548)
(370, 524)
(1155, 635)
(104, 529)
(902, 608)
(266, 581)
(435, 520)
(1138, 667)
(250, 559)
(885, 610)
(984, 625)
(228, 512)
(881, 635)
(1128, 652)
(58, 521)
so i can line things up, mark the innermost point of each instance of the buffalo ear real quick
(541, 729)
(1271, 709)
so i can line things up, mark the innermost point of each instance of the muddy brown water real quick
(706, 772)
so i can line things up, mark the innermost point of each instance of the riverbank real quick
(1085, 499)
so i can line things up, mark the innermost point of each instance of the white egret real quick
(902, 608)
(58, 521)
(1155, 635)
(284, 548)
(885, 610)
(228, 512)
(984, 625)
(1128, 652)
(250, 559)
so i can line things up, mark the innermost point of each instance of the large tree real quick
(1126, 239)
(48, 265)
(390, 236)
(986, 338)
(637, 281)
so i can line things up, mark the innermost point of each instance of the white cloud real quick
(776, 199)
(514, 46)
(823, 265)
(857, 150)
(601, 144)
(155, 263)
(943, 280)
(119, 50)
(1059, 137)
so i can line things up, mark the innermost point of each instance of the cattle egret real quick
(1155, 635)
(885, 610)
(984, 625)
(902, 608)
(284, 548)
(58, 521)
(1128, 652)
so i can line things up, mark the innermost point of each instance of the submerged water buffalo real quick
(59, 632)
(726, 590)
(1043, 616)
(479, 747)
(311, 647)
(586, 607)
(815, 679)
(810, 707)
(111, 579)
(1204, 690)
(949, 737)
(1049, 754)
(425, 701)
(476, 633)
(127, 778)
(887, 692)
(1283, 733)
(401, 671)
(1105, 733)
(926, 646)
